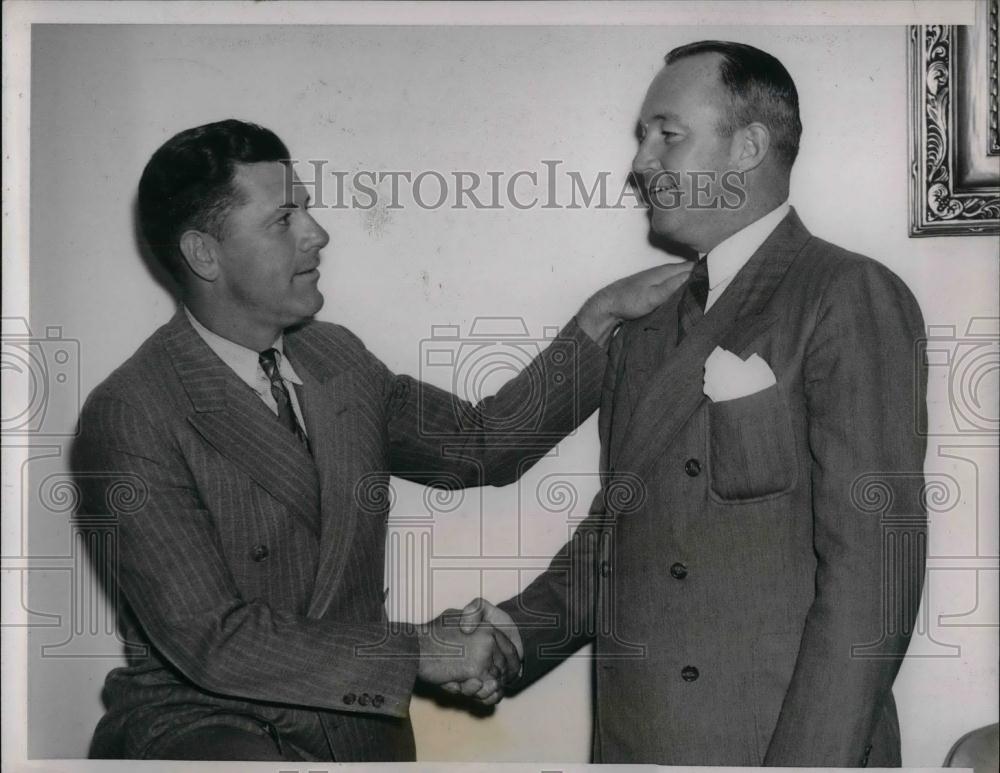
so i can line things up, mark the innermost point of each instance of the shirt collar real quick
(243, 361)
(730, 255)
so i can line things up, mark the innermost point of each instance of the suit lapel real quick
(332, 420)
(233, 419)
(649, 341)
(654, 339)
(675, 390)
(330, 397)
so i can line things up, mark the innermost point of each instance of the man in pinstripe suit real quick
(253, 438)
(751, 570)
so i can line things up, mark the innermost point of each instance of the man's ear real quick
(199, 251)
(752, 144)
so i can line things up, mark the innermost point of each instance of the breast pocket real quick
(751, 447)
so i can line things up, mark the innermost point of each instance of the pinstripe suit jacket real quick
(752, 568)
(251, 573)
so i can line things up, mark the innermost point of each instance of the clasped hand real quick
(474, 651)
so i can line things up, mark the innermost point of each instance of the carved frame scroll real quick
(954, 133)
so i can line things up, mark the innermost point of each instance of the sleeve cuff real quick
(395, 659)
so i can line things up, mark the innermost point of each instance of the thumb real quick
(472, 615)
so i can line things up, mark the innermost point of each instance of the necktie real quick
(286, 415)
(692, 305)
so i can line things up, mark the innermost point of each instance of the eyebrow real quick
(293, 205)
(667, 116)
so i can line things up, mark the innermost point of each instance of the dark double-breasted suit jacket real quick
(751, 570)
(250, 571)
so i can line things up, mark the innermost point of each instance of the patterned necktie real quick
(692, 305)
(286, 415)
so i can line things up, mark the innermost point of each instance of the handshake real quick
(473, 651)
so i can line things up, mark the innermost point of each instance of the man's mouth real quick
(661, 182)
(311, 272)
(662, 195)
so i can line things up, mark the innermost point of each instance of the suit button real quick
(678, 571)
(605, 568)
(692, 467)
(350, 698)
(401, 390)
(364, 699)
(689, 673)
(377, 700)
(259, 553)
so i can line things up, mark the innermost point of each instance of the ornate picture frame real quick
(954, 133)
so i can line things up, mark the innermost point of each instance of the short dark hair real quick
(188, 183)
(760, 90)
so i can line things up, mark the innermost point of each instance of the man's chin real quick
(308, 310)
(662, 223)
(665, 232)
(317, 306)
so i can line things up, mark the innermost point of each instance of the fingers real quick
(500, 663)
(493, 699)
(497, 673)
(488, 693)
(504, 622)
(658, 274)
(673, 275)
(470, 687)
(509, 660)
(682, 268)
(493, 658)
(490, 688)
(472, 615)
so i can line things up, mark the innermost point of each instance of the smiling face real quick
(268, 255)
(682, 157)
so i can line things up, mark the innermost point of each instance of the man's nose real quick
(315, 237)
(646, 161)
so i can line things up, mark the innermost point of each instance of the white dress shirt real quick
(245, 363)
(728, 257)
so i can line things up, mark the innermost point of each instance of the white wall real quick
(477, 99)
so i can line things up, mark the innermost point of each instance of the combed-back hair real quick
(760, 90)
(188, 183)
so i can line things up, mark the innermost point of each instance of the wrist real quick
(422, 635)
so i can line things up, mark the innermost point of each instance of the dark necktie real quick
(692, 305)
(286, 415)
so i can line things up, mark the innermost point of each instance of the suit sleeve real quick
(556, 614)
(439, 439)
(865, 386)
(172, 571)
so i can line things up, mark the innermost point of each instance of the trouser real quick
(223, 742)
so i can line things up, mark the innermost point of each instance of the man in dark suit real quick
(751, 570)
(245, 450)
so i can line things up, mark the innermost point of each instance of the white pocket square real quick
(727, 377)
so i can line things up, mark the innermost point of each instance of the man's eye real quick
(285, 219)
(669, 135)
